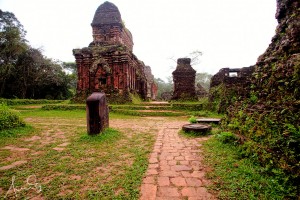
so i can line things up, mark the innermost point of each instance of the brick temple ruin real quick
(228, 84)
(108, 63)
(184, 80)
(232, 76)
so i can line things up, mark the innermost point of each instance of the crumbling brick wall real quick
(184, 80)
(228, 85)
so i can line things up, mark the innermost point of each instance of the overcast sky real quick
(230, 33)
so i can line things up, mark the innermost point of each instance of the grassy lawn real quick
(59, 160)
(52, 157)
(237, 177)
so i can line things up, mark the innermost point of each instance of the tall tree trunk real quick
(2, 87)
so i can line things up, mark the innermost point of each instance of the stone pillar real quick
(96, 113)
(184, 80)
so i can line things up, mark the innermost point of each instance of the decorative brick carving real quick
(108, 64)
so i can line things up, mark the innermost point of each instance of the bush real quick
(12, 102)
(193, 119)
(227, 137)
(9, 118)
(63, 107)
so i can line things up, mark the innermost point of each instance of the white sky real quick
(230, 33)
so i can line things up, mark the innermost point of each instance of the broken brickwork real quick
(232, 76)
(108, 63)
(151, 86)
(229, 84)
(184, 80)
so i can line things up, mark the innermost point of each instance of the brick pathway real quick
(175, 170)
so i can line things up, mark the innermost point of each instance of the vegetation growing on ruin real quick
(268, 121)
(221, 97)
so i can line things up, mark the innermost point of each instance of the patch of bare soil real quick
(48, 179)
(50, 134)
(15, 154)
(75, 177)
(14, 164)
(64, 191)
(13, 148)
(33, 138)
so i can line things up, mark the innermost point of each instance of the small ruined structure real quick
(97, 113)
(232, 76)
(184, 80)
(151, 86)
(108, 63)
(228, 84)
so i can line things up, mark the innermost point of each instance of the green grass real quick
(139, 109)
(108, 135)
(241, 178)
(205, 113)
(151, 113)
(29, 101)
(54, 113)
(10, 135)
(76, 114)
(16, 132)
(110, 165)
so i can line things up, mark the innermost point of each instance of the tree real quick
(204, 80)
(72, 74)
(12, 45)
(24, 71)
(195, 57)
(37, 77)
(164, 86)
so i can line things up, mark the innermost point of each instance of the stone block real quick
(97, 113)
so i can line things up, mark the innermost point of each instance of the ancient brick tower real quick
(184, 80)
(108, 64)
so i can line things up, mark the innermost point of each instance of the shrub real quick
(227, 137)
(12, 102)
(9, 118)
(193, 119)
(63, 107)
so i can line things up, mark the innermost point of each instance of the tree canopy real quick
(24, 71)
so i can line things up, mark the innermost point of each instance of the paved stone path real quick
(175, 170)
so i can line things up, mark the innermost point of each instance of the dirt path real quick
(175, 170)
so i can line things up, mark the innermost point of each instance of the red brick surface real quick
(175, 170)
